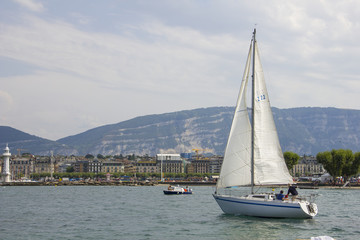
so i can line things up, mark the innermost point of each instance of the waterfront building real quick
(62, 167)
(147, 167)
(22, 167)
(64, 162)
(95, 166)
(170, 163)
(308, 166)
(44, 164)
(215, 164)
(130, 167)
(71, 159)
(168, 156)
(81, 166)
(201, 165)
(113, 167)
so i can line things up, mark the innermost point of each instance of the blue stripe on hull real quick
(261, 204)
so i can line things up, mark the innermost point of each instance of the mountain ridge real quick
(304, 130)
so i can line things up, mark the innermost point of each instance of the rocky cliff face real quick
(301, 130)
(313, 130)
(170, 133)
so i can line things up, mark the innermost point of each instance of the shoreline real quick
(146, 183)
(107, 183)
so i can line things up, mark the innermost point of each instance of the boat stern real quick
(309, 208)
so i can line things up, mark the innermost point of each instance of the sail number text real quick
(261, 98)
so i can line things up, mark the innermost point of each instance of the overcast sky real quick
(67, 66)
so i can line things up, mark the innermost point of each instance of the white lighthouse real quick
(6, 169)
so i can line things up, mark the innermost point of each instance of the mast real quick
(253, 114)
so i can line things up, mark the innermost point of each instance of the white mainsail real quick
(269, 164)
(235, 169)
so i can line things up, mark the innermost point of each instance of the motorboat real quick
(178, 190)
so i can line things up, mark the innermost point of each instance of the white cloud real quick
(31, 5)
(156, 60)
(92, 73)
(6, 104)
(114, 59)
(5, 99)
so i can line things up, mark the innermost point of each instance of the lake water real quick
(121, 212)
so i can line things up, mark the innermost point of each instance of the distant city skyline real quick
(69, 66)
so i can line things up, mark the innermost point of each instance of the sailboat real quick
(253, 156)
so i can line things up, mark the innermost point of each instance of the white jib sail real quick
(270, 167)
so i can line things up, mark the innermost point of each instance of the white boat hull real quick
(249, 206)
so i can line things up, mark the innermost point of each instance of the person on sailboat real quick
(292, 190)
(280, 196)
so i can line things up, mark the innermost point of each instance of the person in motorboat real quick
(280, 196)
(169, 187)
(292, 190)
